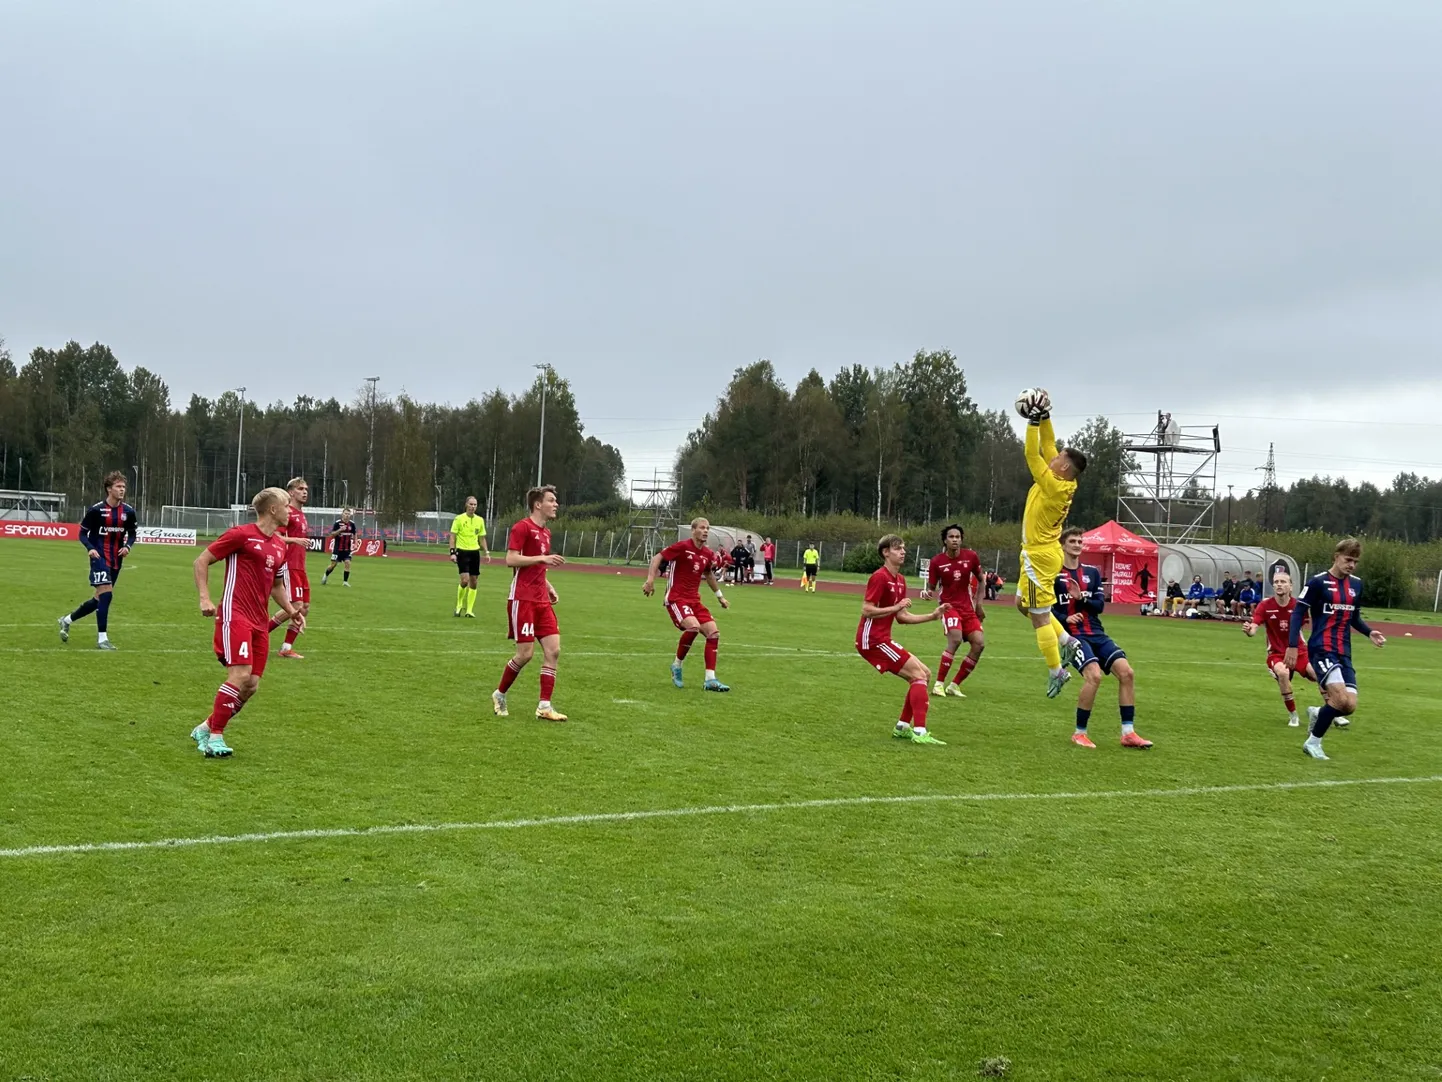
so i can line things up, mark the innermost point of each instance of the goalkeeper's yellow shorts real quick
(1036, 589)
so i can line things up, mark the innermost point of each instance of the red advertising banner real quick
(369, 547)
(40, 531)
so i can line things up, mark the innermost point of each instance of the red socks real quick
(278, 619)
(291, 634)
(508, 676)
(1290, 703)
(227, 705)
(968, 663)
(917, 701)
(548, 683)
(712, 645)
(945, 666)
(687, 638)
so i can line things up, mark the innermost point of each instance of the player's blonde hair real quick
(887, 543)
(295, 483)
(1349, 546)
(267, 499)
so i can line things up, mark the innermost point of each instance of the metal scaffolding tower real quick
(1269, 486)
(1168, 484)
(655, 515)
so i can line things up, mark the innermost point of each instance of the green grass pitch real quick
(1203, 910)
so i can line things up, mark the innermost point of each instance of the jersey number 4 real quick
(244, 650)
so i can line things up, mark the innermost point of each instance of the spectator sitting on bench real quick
(1196, 592)
(1176, 600)
(1227, 596)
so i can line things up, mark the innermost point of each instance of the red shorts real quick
(528, 621)
(1278, 659)
(884, 656)
(241, 643)
(299, 586)
(968, 623)
(679, 610)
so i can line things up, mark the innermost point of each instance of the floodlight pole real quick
(541, 449)
(239, 444)
(1229, 514)
(371, 442)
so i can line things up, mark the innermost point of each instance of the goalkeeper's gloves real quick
(1040, 416)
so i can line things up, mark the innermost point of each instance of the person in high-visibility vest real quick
(810, 565)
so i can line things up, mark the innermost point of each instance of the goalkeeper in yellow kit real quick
(1054, 475)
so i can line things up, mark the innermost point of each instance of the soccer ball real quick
(1032, 401)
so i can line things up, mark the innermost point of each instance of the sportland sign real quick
(40, 531)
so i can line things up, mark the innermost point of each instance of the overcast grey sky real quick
(1232, 211)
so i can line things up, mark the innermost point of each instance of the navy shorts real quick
(1100, 649)
(102, 574)
(1334, 669)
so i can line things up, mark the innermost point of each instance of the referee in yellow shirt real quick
(468, 542)
(1054, 478)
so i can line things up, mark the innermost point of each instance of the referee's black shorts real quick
(468, 561)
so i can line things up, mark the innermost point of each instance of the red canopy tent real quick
(1120, 555)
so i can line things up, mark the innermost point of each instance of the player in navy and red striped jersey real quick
(530, 606)
(886, 601)
(1079, 605)
(690, 562)
(1276, 614)
(958, 572)
(255, 574)
(343, 544)
(108, 534)
(1334, 603)
(296, 534)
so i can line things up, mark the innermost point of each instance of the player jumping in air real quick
(1054, 475)
(108, 533)
(1276, 614)
(530, 608)
(1334, 603)
(342, 546)
(296, 536)
(256, 558)
(690, 562)
(886, 601)
(468, 543)
(1080, 600)
(958, 572)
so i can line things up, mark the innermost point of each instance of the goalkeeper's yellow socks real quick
(1047, 644)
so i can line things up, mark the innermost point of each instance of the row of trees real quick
(904, 444)
(907, 445)
(67, 416)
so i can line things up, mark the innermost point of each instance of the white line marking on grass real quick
(685, 813)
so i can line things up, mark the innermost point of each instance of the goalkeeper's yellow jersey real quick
(1050, 497)
(469, 529)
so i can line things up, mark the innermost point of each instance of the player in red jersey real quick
(295, 533)
(1276, 614)
(886, 601)
(958, 571)
(530, 607)
(690, 562)
(255, 571)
